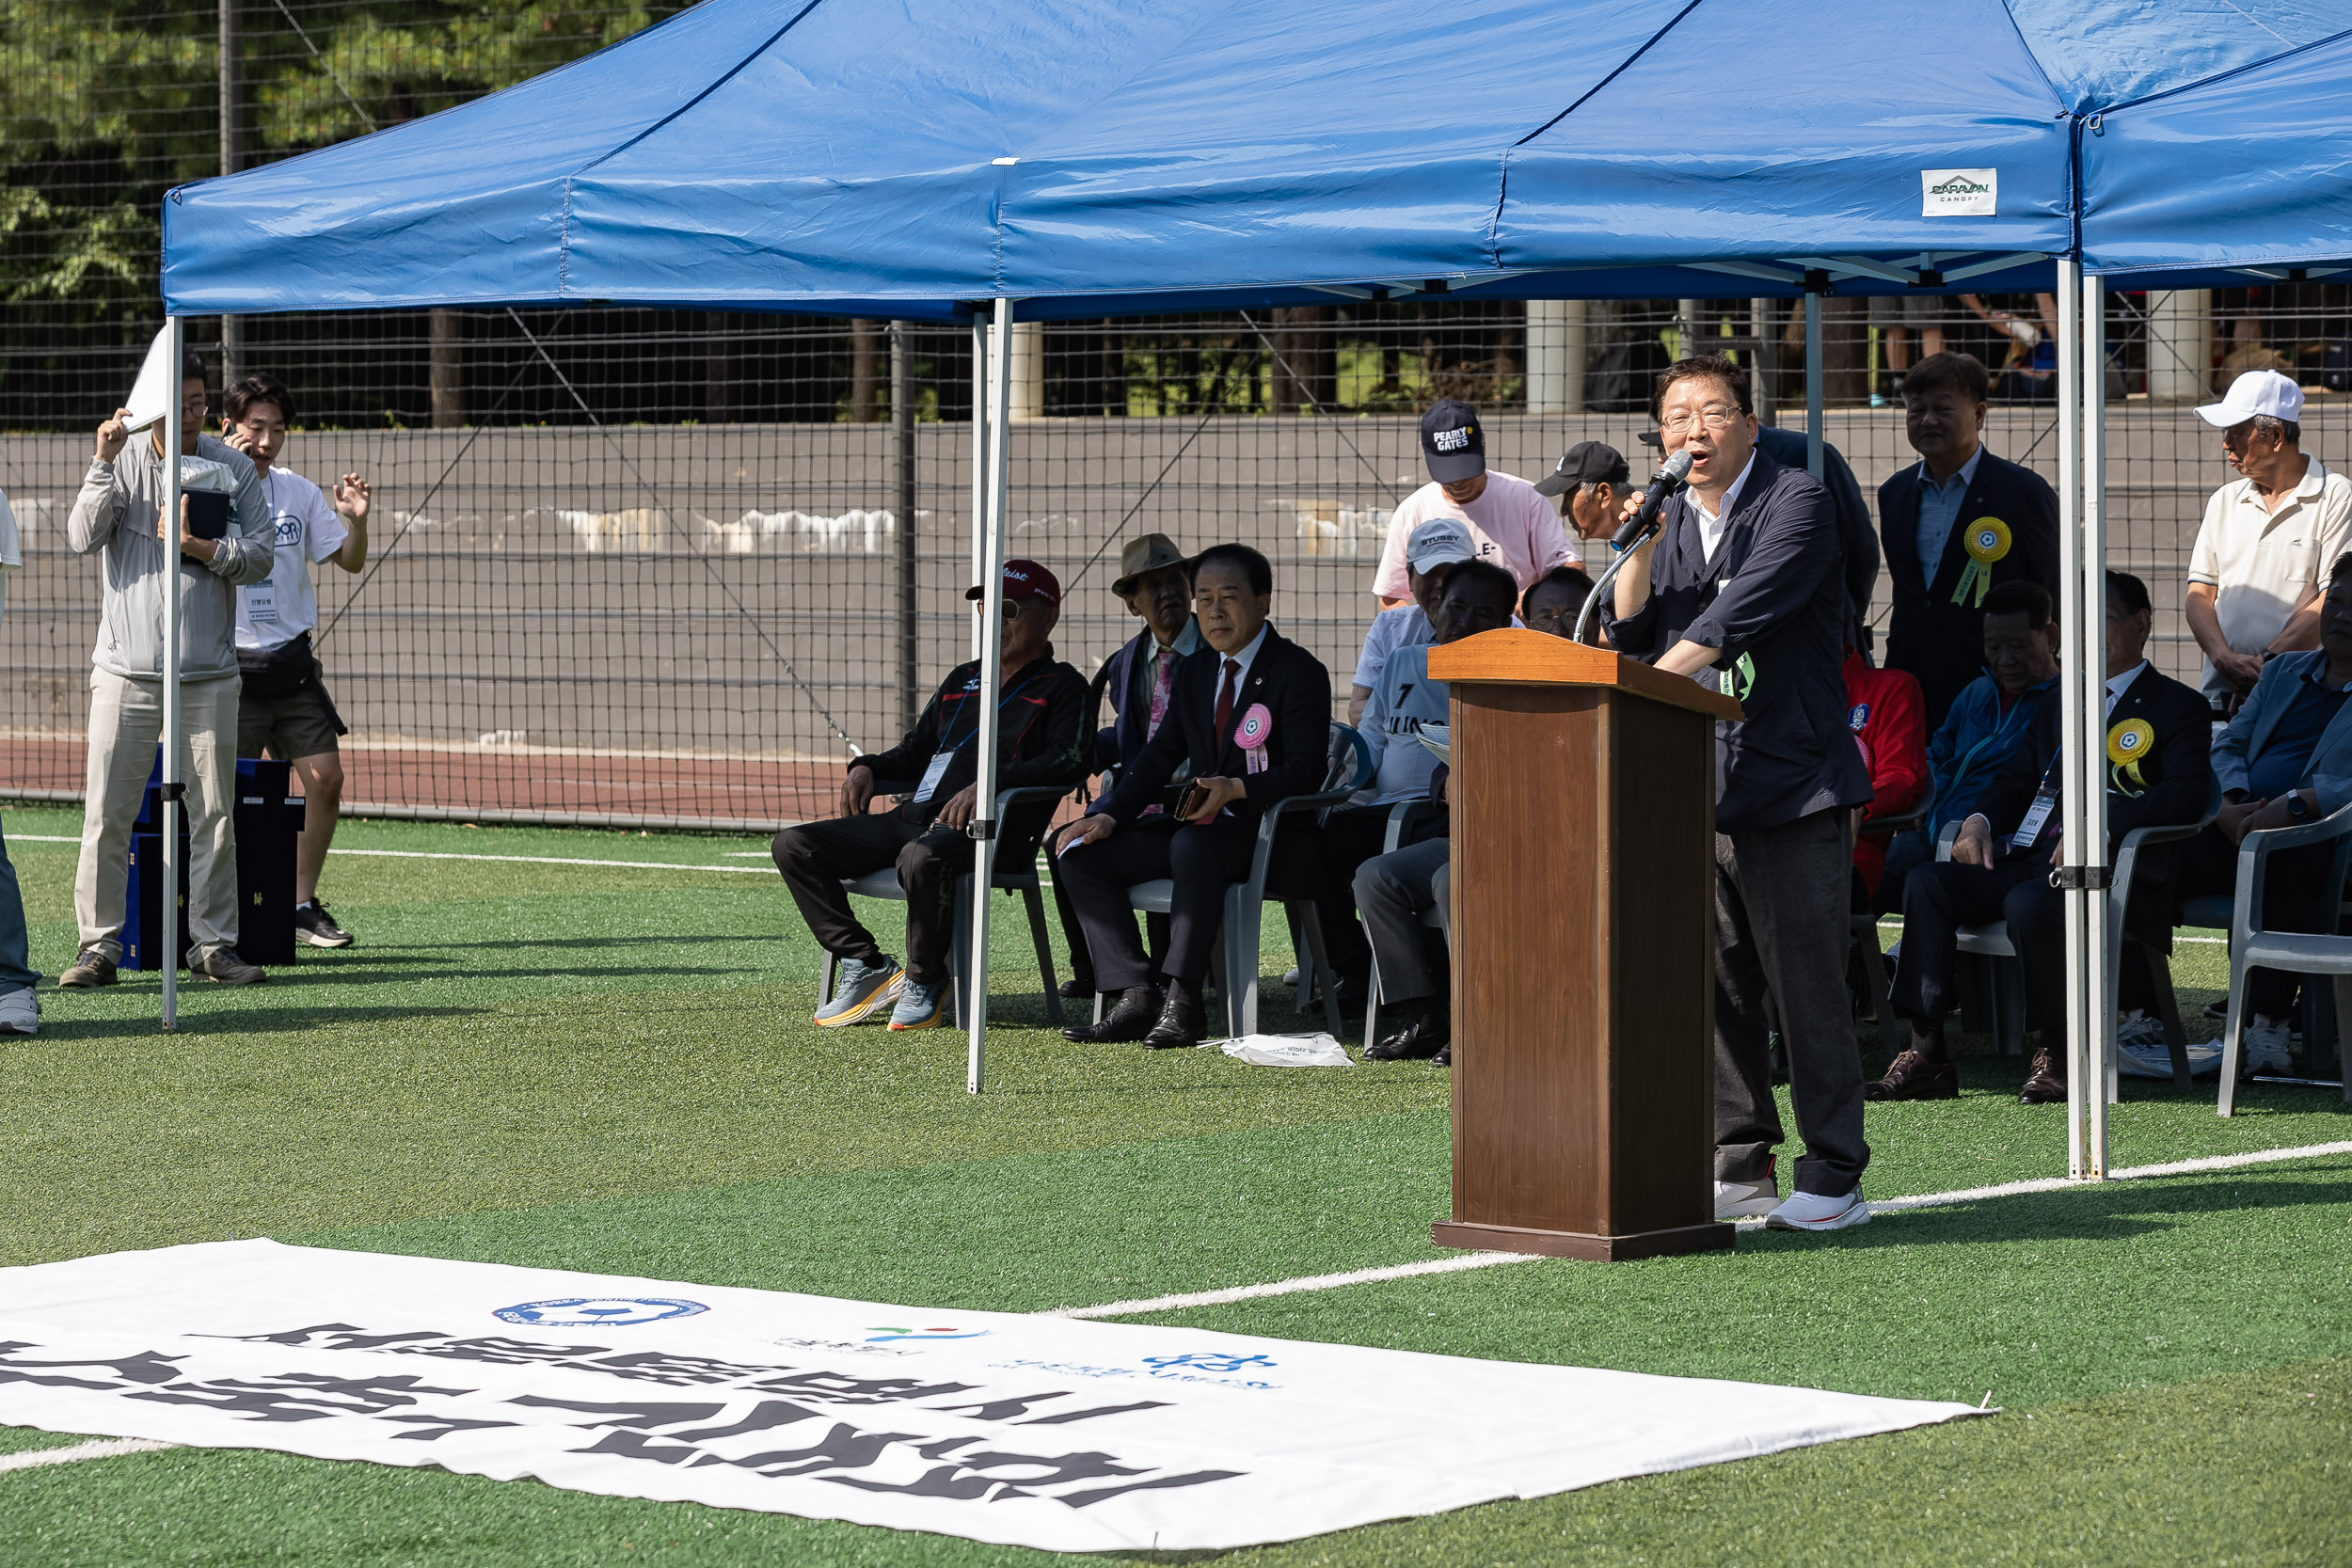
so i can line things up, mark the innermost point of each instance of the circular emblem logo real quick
(2129, 741)
(1858, 716)
(1255, 726)
(597, 1311)
(1988, 539)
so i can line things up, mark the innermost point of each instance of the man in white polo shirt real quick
(1512, 526)
(2258, 573)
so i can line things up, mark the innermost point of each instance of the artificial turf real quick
(610, 1069)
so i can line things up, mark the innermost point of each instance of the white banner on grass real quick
(1027, 1431)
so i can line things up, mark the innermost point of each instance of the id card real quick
(260, 602)
(932, 776)
(2045, 801)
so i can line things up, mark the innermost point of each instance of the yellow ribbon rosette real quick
(2128, 745)
(1987, 540)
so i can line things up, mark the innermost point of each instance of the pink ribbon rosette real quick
(1252, 735)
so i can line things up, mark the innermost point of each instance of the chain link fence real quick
(649, 566)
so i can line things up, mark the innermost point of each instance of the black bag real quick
(280, 674)
(2336, 374)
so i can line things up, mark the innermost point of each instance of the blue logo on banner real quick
(597, 1311)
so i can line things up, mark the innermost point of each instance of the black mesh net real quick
(659, 566)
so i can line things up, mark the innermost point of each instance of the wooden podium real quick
(1583, 871)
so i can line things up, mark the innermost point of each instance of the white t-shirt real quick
(2262, 564)
(1513, 527)
(284, 605)
(1399, 627)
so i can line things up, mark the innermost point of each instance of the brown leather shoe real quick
(1914, 1075)
(2046, 1084)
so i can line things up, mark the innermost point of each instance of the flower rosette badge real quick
(1986, 542)
(2128, 745)
(1255, 729)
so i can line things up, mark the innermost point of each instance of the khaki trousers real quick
(126, 721)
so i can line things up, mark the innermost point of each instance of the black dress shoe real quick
(1181, 1021)
(1074, 989)
(1444, 1056)
(2045, 1083)
(1129, 1020)
(1427, 1031)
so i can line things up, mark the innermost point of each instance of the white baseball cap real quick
(2253, 393)
(1438, 541)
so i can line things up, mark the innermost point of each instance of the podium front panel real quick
(1583, 936)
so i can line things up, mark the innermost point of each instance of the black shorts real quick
(303, 724)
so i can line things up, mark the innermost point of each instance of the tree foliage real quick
(106, 104)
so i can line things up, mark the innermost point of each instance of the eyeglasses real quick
(1012, 609)
(1713, 417)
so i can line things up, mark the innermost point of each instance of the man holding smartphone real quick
(120, 511)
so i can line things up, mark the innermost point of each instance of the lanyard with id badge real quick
(2046, 800)
(948, 747)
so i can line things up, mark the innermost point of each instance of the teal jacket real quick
(1976, 737)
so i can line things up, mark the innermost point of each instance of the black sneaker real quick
(314, 925)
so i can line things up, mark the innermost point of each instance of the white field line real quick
(552, 859)
(103, 1448)
(1489, 1260)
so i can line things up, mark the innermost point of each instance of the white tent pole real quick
(979, 465)
(1813, 381)
(176, 349)
(2099, 1039)
(2075, 651)
(991, 654)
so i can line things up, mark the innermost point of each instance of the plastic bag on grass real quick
(1316, 1049)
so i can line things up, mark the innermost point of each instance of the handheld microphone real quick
(1671, 476)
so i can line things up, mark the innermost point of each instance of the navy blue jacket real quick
(1775, 604)
(1940, 643)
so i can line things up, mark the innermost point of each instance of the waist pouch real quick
(280, 674)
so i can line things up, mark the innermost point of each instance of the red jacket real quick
(1889, 721)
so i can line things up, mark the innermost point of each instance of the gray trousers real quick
(1781, 904)
(1391, 891)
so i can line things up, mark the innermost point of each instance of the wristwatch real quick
(2298, 808)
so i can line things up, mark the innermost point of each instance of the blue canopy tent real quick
(1088, 158)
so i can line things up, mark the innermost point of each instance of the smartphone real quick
(1194, 797)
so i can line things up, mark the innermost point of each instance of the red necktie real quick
(1225, 699)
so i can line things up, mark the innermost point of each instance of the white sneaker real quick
(20, 1012)
(2266, 1046)
(1812, 1212)
(1740, 1200)
(1290, 978)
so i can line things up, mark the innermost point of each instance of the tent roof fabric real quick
(1095, 157)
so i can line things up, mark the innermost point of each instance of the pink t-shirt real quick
(1514, 527)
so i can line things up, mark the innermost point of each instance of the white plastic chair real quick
(1991, 942)
(2297, 952)
(1019, 879)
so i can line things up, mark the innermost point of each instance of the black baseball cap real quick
(1452, 442)
(1586, 463)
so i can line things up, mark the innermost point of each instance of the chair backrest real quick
(1350, 759)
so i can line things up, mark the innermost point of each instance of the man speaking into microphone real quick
(1739, 588)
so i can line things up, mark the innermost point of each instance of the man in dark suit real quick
(1957, 522)
(1251, 713)
(1743, 589)
(2165, 730)
(1155, 582)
